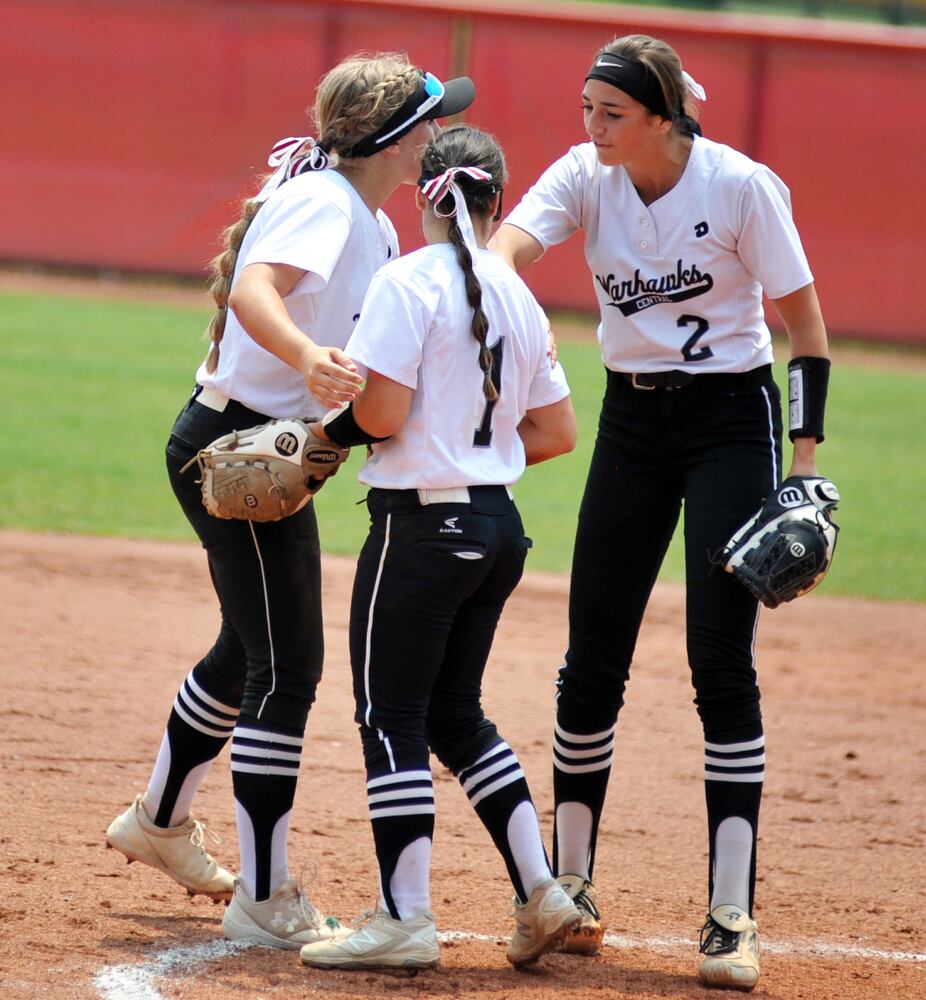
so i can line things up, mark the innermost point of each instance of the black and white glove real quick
(787, 548)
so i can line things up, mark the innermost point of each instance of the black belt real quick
(658, 380)
(675, 379)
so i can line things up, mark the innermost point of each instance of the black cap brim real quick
(459, 94)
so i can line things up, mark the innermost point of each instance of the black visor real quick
(431, 99)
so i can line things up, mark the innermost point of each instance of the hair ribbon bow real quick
(443, 184)
(292, 156)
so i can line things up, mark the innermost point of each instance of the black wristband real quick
(344, 430)
(808, 379)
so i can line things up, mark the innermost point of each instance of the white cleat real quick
(730, 944)
(176, 851)
(542, 922)
(383, 943)
(586, 937)
(286, 920)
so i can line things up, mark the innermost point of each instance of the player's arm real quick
(516, 247)
(257, 301)
(374, 415)
(803, 320)
(548, 431)
(383, 406)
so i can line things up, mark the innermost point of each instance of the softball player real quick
(682, 235)
(455, 350)
(293, 278)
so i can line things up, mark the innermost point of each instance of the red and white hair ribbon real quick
(437, 187)
(443, 184)
(292, 156)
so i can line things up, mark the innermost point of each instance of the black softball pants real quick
(715, 446)
(430, 587)
(269, 650)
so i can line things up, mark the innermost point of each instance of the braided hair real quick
(353, 100)
(459, 146)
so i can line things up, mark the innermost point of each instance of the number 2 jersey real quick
(415, 328)
(679, 282)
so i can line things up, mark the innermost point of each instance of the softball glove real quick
(787, 548)
(267, 472)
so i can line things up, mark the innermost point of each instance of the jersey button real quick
(644, 244)
(644, 223)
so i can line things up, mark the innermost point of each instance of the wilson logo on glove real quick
(265, 473)
(286, 444)
(791, 497)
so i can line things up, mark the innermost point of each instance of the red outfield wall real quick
(131, 129)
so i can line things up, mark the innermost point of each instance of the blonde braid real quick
(222, 267)
(360, 95)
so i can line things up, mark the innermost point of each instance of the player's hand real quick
(331, 375)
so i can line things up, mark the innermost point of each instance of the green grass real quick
(91, 389)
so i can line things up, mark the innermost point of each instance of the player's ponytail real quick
(222, 267)
(479, 176)
(480, 326)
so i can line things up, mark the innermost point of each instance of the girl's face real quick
(411, 149)
(622, 129)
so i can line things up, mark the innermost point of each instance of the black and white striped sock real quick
(733, 776)
(198, 727)
(497, 790)
(402, 815)
(581, 769)
(265, 768)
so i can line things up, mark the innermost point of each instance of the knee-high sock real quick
(497, 790)
(265, 767)
(733, 777)
(402, 815)
(581, 769)
(198, 727)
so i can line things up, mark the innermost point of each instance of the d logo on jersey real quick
(286, 444)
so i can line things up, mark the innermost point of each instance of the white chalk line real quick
(137, 982)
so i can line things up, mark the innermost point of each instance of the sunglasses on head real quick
(434, 91)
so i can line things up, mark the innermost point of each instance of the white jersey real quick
(316, 222)
(679, 282)
(415, 328)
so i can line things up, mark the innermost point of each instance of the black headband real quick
(633, 78)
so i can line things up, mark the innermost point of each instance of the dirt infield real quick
(98, 633)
